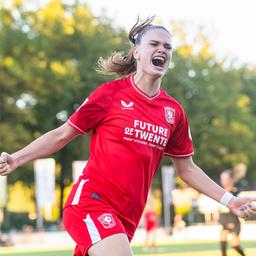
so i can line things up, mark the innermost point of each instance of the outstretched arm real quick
(45, 145)
(196, 178)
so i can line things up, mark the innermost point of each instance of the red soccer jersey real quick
(130, 133)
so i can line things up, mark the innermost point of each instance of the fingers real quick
(247, 210)
(4, 166)
(5, 171)
(3, 158)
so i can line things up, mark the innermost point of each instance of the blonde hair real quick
(122, 64)
(240, 171)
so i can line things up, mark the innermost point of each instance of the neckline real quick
(143, 93)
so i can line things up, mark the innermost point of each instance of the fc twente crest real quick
(169, 115)
(107, 220)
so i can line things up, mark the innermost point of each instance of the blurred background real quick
(48, 60)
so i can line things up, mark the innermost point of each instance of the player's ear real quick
(136, 53)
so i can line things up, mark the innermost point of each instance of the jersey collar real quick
(141, 92)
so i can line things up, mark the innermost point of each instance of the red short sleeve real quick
(92, 112)
(180, 143)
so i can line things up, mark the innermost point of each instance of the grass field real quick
(177, 249)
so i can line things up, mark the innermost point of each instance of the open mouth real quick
(158, 61)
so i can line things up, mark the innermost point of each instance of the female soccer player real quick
(134, 122)
(230, 222)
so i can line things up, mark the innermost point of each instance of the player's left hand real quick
(243, 207)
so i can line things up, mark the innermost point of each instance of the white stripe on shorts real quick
(92, 229)
(78, 192)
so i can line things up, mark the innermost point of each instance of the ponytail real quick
(118, 62)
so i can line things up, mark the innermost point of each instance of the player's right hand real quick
(7, 164)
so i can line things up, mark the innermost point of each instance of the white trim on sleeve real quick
(179, 156)
(77, 128)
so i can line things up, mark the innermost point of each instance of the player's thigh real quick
(115, 245)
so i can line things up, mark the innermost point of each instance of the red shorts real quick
(89, 226)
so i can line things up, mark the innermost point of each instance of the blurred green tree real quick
(219, 101)
(48, 59)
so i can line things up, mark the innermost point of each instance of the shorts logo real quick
(107, 220)
(169, 115)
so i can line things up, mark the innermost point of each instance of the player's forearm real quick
(41, 147)
(197, 179)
